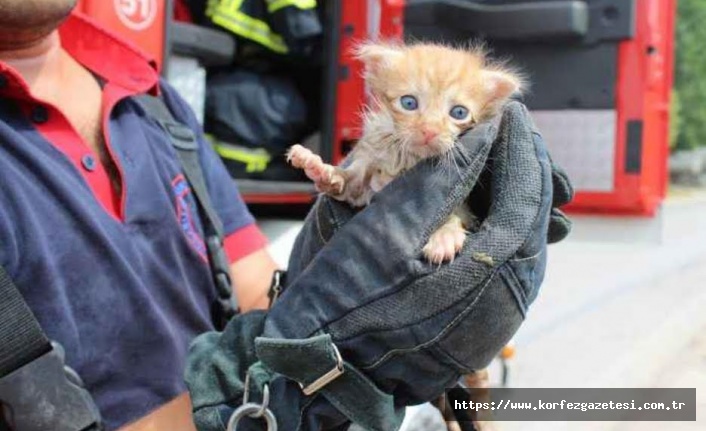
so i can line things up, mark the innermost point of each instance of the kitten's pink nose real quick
(429, 135)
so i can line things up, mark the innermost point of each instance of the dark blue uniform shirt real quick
(120, 280)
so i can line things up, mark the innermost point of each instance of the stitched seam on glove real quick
(392, 353)
(522, 259)
(515, 286)
(416, 322)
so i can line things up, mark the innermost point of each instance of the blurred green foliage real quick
(689, 104)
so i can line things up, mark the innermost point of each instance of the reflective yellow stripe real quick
(227, 14)
(211, 6)
(239, 25)
(255, 160)
(275, 5)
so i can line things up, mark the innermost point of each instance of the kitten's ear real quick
(377, 56)
(500, 85)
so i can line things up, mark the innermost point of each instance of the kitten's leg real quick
(347, 185)
(448, 239)
(480, 380)
(358, 191)
(327, 178)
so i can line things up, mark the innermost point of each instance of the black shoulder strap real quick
(184, 142)
(21, 338)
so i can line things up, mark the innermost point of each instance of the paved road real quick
(639, 335)
(687, 369)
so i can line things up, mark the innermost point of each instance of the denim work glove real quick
(563, 193)
(406, 329)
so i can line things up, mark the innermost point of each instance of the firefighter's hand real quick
(368, 325)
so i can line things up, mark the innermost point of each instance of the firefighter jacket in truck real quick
(288, 27)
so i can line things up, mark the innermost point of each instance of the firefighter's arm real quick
(251, 277)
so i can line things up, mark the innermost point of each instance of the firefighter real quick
(101, 234)
(97, 226)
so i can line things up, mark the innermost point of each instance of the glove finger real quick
(559, 226)
(519, 191)
(563, 190)
(415, 204)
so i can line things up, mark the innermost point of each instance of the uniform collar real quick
(113, 59)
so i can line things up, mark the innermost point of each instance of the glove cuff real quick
(316, 365)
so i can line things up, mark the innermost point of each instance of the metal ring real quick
(250, 409)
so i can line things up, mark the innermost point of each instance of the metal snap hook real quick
(265, 402)
(252, 410)
(265, 395)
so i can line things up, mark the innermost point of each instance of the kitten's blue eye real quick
(459, 112)
(409, 102)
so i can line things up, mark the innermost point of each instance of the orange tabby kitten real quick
(423, 96)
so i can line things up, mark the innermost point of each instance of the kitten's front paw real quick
(327, 179)
(445, 243)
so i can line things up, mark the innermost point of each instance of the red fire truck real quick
(600, 71)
